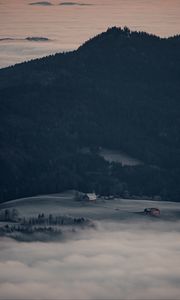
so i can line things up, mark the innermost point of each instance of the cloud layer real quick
(117, 261)
(43, 3)
(74, 3)
(29, 38)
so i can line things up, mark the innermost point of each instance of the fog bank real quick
(117, 261)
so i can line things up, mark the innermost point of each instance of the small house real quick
(92, 197)
(89, 197)
(153, 211)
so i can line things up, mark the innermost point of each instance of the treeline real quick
(9, 215)
(46, 224)
(53, 220)
(10, 230)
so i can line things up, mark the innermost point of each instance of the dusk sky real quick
(68, 26)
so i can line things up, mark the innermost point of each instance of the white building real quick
(92, 197)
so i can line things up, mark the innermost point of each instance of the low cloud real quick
(29, 38)
(15, 52)
(117, 261)
(43, 3)
(37, 39)
(74, 3)
(66, 3)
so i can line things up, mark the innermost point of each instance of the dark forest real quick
(119, 90)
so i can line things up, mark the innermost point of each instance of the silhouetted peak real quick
(118, 30)
(116, 37)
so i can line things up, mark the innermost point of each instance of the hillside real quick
(60, 217)
(120, 90)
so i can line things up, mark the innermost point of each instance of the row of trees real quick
(9, 215)
(53, 220)
(11, 229)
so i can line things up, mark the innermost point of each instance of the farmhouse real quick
(89, 197)
(153, 211)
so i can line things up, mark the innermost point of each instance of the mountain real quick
(119, 90)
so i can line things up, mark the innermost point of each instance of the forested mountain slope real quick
(119, 90)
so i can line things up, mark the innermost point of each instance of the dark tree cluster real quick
(42, 219)
(9, 215)
(10, 229)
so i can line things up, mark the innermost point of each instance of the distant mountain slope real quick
(120, 90)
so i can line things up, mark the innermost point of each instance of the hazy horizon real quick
(68, 26)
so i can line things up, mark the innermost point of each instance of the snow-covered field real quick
(126, 256)
(120, 157)
(117, 209)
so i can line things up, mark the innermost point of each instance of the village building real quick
(86, 197)
(153, 211)
(91, 197)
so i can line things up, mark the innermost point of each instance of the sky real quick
(68, 26)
